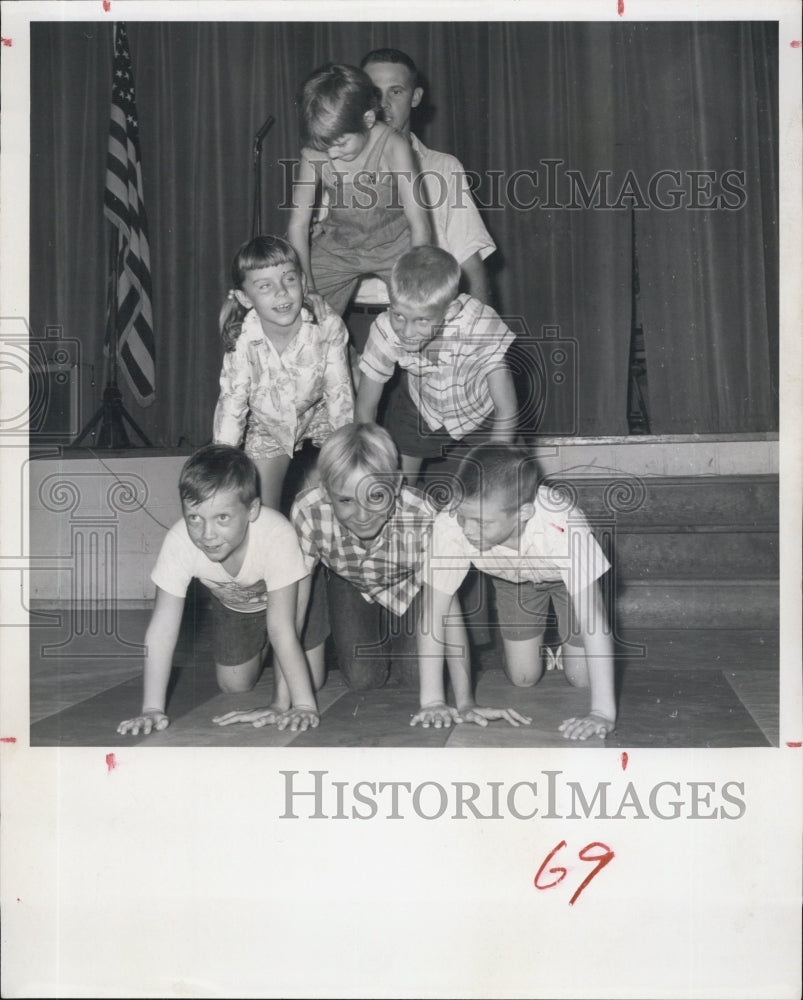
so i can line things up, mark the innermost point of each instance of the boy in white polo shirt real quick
(537, 549)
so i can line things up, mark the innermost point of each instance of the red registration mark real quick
(595, 851)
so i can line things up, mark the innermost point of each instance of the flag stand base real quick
(111, 416)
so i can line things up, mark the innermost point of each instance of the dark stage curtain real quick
(709, 275)
(527, 106)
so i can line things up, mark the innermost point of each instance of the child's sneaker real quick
(554, 657)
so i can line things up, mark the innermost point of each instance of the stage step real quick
(687, 552)
(669, 553)
(698, 648)
(737, 502)
(730, 604)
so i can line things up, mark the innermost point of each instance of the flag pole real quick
(111, 305)
(112, 414)
(112, 433)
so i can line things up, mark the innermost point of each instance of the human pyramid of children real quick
(361, 540)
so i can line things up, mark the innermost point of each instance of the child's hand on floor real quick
(438, 715)
(297, 720)
(256, 716)
(482, 716)
(593, 724)
(147, 722)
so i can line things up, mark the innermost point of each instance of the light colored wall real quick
(664, 456)
(115, 506)
(95, 524)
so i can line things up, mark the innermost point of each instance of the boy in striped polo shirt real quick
(450, 348)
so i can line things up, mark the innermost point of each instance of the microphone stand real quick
(256, 219)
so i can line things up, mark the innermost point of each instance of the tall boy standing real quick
(457, 223)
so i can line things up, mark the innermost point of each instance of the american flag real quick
(123, 206)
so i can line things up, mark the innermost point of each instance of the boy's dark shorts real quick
(238, 636)
(522, 609)
(409, 430)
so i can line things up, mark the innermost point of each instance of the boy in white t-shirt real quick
(249, 558)
(537, 548)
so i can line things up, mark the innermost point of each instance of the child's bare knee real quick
(523, 677)
(522, 663)
(239, 679)
(523, 680)
(235, 685)
(576, 673)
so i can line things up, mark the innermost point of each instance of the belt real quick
(367, 310)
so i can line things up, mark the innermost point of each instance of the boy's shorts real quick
(238, 636)
(522, 609)
(409, 430)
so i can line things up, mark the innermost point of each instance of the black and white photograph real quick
(458, 357)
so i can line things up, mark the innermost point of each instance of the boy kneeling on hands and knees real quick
(535, 550)
(249, 559)
(369, 535)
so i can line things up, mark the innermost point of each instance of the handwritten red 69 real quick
(585, 854)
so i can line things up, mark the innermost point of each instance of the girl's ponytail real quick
(232, 314)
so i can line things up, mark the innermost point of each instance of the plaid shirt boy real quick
(448, 380)
(388, 569)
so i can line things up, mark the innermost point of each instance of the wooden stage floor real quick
(689, 688)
